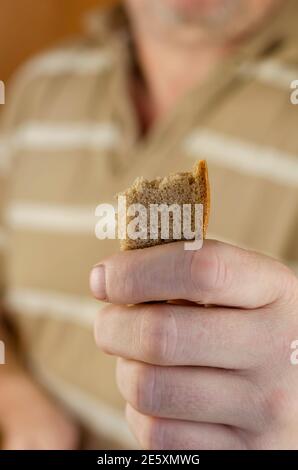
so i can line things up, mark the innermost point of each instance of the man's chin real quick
(194, 7)
(203, 13)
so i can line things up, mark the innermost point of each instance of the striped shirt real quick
(70, 140)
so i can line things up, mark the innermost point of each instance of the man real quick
(194, 78)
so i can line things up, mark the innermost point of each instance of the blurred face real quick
(216, 18)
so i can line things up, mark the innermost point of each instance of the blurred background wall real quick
(29, 26)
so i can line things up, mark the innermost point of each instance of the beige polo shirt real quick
(70, 140)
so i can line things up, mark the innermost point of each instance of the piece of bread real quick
(180, 188)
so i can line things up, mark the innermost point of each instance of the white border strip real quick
(41, 303)
(102, 418)
(50, 218)
(271, 72)
(80, 62)
(248, 158)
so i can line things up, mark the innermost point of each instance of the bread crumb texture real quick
(178, 188)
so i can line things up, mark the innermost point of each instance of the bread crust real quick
(201, 172)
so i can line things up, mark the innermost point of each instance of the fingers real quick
(218, 274)
(190, 394)
(164, 434)
(172, 335)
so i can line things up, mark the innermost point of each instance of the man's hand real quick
(197, 376)
(29, 420)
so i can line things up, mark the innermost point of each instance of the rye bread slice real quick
(178, 188)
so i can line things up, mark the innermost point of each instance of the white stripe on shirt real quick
(245, 157)
(51, 218)
(72, 61)
(55, 137)
(52, 304)
(271, 72)
(65, 136)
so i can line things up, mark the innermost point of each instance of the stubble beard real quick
(226, 21)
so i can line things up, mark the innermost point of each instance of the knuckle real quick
(258, 407)
(279, 335)
(141, 388)
(103, 333)
(208, 270)
(158, 334)
(269, 339)
(100, 338)
(152, 435)
(286, 286)
(123, 279)
(130, 285)
(277, 407)
(273, 405)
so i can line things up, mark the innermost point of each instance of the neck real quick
(171, 71)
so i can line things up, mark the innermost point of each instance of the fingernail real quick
(98, 282)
